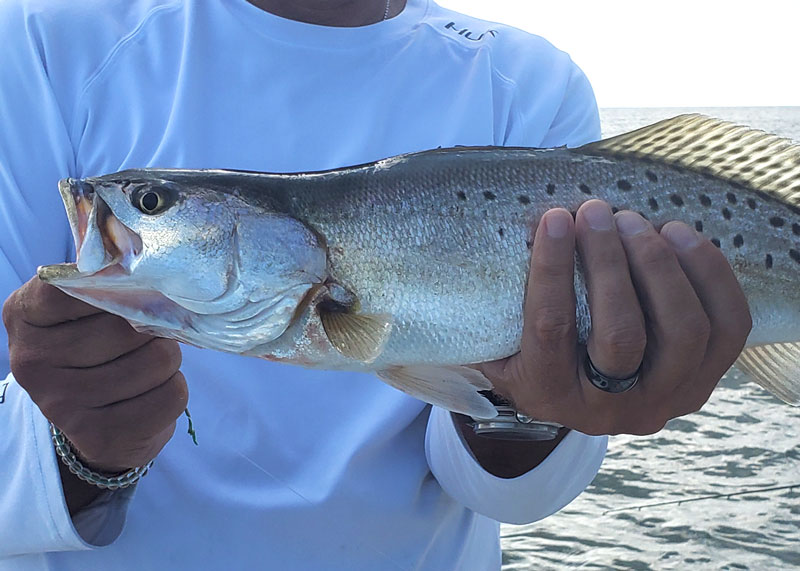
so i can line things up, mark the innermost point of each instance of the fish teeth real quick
(127, 243)
(92, 257)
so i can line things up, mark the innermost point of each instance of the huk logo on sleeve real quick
(3, 387)
(468, 34)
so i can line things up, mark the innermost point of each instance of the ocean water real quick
(743, 439)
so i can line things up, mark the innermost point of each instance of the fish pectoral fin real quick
(358, 336)
(776, 368)
(453, 388)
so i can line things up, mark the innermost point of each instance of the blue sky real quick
(699, 53)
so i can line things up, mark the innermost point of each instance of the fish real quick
(415, 266)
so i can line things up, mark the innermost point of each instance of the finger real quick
(85, 342)
(150, 412)
(42, 305)
(547, 357)
(129, 433)
(721, 296)
(617, 340)
(127, 377)
(678, 327)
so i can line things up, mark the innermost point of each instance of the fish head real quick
(140, 237)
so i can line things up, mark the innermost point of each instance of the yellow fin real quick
(776, 368)
(755, 159)
(453, 387)
(356, 335)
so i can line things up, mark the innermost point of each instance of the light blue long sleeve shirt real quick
(296, 468)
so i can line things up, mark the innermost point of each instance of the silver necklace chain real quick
(386, 11)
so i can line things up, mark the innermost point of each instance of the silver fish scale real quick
(440, 240)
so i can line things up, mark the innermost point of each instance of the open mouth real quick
(104, 245)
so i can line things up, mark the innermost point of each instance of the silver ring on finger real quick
(609, 384)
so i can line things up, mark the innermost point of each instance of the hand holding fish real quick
(666, 300)
(115, 393)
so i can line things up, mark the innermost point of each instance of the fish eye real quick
(152, 200)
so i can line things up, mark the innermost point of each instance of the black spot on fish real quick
(653, 204)
(768, 261)
(651, 176)
(715, 241)
(489, 195)
(705, 200)
(523, 199)
(795, 255)
(551, 189)
(614, 210)
(584, 189)
(738, 241)
(676, 200)
(500, 231)
(796, 229)
(731, 197)
(776, 221)
(726, 214)
(623, 184)
(461, 195)
(698, 225)
(751, 203)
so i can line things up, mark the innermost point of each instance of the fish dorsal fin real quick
(752, 158)
(358, 336)
(454, 388)
(775, 367)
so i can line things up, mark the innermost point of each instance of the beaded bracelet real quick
(68, 457)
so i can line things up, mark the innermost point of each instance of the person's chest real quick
(280, 109)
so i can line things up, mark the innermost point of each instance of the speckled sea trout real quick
(415, 265)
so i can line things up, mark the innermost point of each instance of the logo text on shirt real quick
(466, 33)
(3, 387)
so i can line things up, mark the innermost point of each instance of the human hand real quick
(667, 300)
(113, 392)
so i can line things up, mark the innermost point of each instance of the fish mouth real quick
(105, 246)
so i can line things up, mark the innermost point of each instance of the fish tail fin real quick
(776, 368)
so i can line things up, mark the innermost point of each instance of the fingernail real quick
(598, 215)
(680, 235)
(629, 223)
(556, 222)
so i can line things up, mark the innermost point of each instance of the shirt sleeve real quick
(554, 483)
(31, 495)
(570, 110)
(35, 152)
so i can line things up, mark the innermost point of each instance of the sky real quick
(681, 53)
